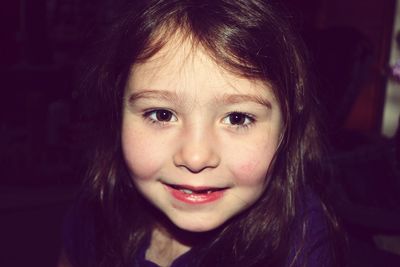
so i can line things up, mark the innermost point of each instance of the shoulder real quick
(311, 241)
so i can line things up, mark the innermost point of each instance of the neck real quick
(169, 242)
(164, 248)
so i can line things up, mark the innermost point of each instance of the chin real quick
(197, 226)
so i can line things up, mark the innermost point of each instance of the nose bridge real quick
(197, 147)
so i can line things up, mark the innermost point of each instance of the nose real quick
(197, 151)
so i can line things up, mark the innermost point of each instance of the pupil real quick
(163, 115)
(236, 118)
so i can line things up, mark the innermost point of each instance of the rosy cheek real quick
(248, 167)
(250, 173)
(140, 157)
(253, 170)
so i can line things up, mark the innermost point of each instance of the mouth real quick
(195, 195)
(195, 190)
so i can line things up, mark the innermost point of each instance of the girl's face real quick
(197, 140)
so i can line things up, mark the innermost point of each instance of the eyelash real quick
(249, 119)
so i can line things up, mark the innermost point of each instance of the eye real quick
(160, 115)
(238, 119)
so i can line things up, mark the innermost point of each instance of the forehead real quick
(183, 66)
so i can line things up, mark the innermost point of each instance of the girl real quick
(207, 152)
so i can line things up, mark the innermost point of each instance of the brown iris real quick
(163, 115)
(237, 118)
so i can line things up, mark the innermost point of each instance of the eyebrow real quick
(154, 94)
(236, 98)
(226, 99)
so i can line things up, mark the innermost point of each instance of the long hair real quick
(250, 38)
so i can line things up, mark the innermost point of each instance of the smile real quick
(195, 195)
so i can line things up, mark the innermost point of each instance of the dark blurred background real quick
(42, 133)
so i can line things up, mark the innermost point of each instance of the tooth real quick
(209, 191)
(187, 191)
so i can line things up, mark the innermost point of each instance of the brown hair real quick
(250, 38)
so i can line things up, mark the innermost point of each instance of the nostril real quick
(196, 160)
(196, 148)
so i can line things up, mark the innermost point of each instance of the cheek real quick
(247, 168)
(251, 168)
(251, 173)
(142, 155)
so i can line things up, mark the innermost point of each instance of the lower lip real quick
(195, 198)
